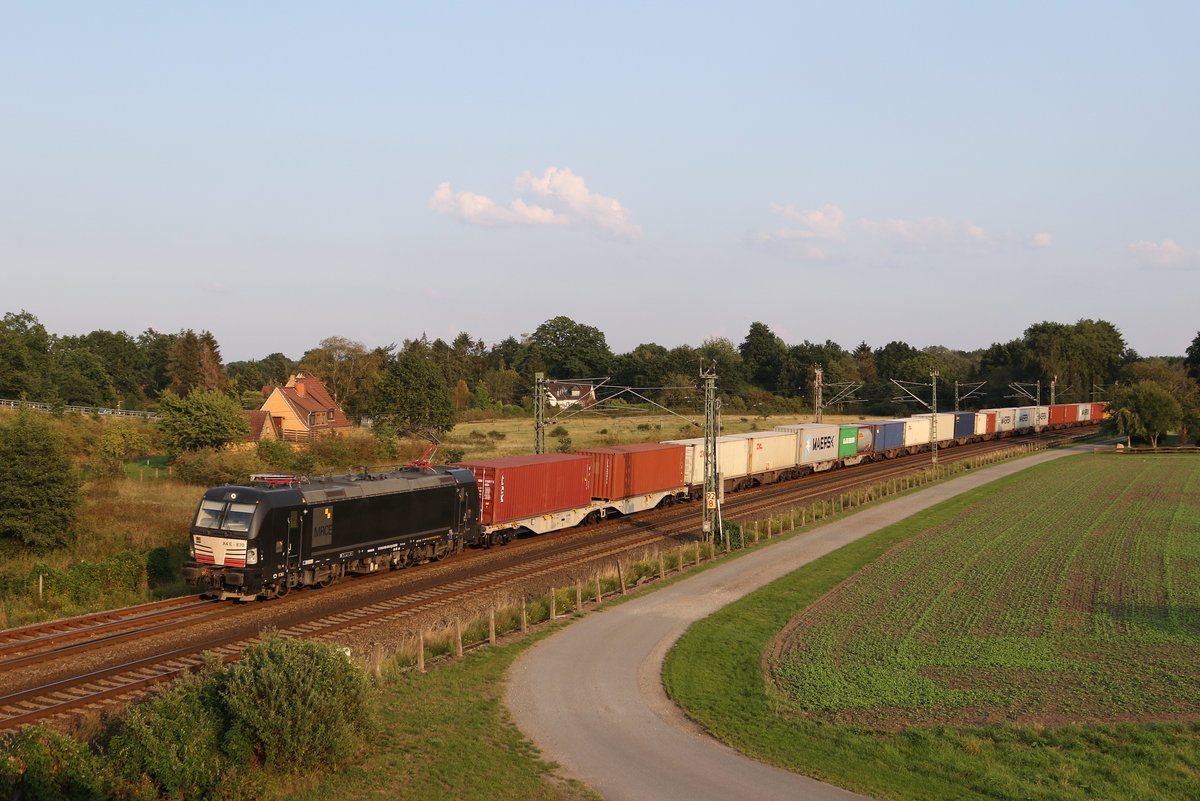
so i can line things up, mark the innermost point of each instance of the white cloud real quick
(1167, 253)
(929, 233)
(823, 223)
(564, 195)
(1042, 240)
(568, 189)
(482, 210)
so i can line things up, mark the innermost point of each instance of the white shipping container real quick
(1041, 417)
(981, 421)
(816, 442)
(945, 425)
(770, 450)
(917, 430)
(1025, 416)
(731, 457)
(1006, 419)
(1085, 411)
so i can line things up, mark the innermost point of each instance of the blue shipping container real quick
(964, 424)
(887, 434)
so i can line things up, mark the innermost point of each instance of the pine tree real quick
(39, 491)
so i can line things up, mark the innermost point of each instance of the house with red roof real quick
(303, 408)
(261, 425)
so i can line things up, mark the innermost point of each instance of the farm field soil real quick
(1035, 638)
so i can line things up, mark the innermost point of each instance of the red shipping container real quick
(653, 467)
(1098, 411)
(1063, 413)
(608, 472)
(623, 471)
(990, 425)
(518, 487)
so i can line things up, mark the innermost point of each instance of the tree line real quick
(433, 383)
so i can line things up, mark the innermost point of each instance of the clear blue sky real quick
(280, 172)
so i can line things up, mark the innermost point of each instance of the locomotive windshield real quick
(232, 517)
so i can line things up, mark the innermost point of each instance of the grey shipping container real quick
(887, 434)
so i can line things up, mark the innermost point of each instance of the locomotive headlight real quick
(252, 556)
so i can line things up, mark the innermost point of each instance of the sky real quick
(281, 172)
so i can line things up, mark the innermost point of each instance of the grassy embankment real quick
(512, 436)
(1036, 638)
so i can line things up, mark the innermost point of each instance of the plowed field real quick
(1071, 596)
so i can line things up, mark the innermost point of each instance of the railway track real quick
(31, 654)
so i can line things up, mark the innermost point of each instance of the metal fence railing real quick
(46, 407)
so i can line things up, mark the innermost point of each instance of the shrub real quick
(173, 744)
(275, 454)
(209, 467)
(452, 455)
(497, 435)
(565, 445)
(302, 703)
(38, 763)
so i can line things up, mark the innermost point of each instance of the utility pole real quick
(1053, 386)
(539, 412)
(712, 528)
(818, 390)
(933, 377)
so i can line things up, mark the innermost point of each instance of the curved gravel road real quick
(591, 696)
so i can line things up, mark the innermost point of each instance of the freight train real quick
(263, 540)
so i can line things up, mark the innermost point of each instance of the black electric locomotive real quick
(260, 541)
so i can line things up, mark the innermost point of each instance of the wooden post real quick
(756, 532)
(802, 515)
(599, 589)
(662, 565)
(621, 576)
(420, 652)
(524, 615)
(377, 659)
(492, 626)
(41, 586)
(553, 602)
(458, 649)
(679, 564)
(578, 597)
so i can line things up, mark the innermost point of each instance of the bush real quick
(565, 445)
(497, 435)
(559, 431)
(38, 763)
(302, 703)
(209, 467)
(173, 745)
(452, 455)
(275, 454)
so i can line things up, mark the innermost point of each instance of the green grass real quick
(446, 734)
(884, 661)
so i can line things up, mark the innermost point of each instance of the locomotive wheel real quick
(281, 589)
(325, 581)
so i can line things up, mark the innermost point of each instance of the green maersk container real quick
(847, 441)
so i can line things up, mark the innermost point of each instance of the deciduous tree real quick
(413, 394)
(204, 419)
